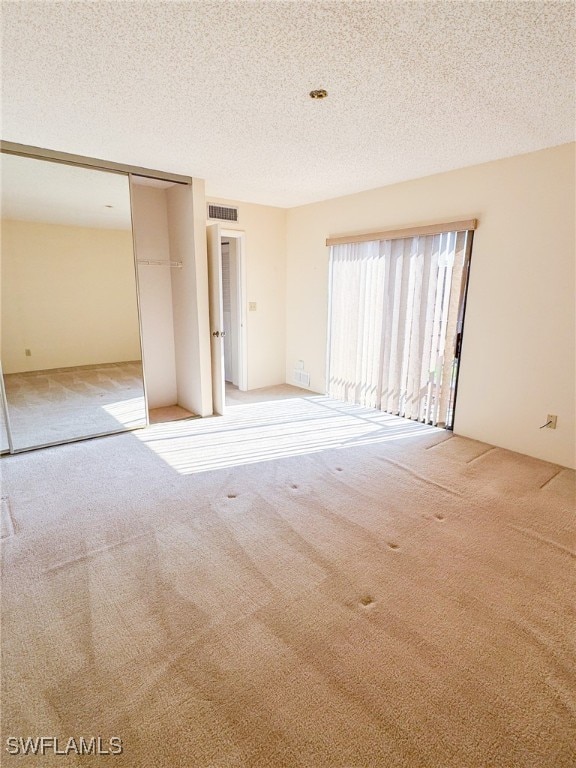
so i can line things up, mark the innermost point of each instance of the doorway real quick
(227, 275)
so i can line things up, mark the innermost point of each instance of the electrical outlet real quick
(551, 421)
(27, 353)
(251, 306)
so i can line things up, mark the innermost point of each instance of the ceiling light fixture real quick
(319, 94)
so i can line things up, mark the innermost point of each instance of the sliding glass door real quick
(395, 327)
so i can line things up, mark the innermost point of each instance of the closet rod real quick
(160, 263)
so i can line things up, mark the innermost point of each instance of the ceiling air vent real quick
(222, 212)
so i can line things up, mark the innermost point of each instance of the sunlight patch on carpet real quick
(257, 432)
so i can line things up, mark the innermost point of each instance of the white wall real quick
(68, 295)
(155, 286)
(265, 246)
(518, 357)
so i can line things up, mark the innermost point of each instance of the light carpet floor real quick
(235, 396)
(382, 599)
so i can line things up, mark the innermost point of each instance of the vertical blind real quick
(392, 324)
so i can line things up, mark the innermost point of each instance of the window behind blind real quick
(394, 321)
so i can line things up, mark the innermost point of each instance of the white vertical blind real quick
(392, 323)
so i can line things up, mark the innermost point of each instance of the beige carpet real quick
(405, 602)
(235, 396)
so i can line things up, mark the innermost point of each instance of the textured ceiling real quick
(219, 90)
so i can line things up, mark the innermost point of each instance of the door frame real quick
(457, 350)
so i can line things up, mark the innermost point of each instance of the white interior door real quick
(216, 317)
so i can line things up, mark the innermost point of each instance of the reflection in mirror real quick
(71, 352)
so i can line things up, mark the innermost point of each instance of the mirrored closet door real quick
(71, 349)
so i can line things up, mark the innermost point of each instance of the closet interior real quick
(100, 319)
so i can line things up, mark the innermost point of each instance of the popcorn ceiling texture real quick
(220, 90)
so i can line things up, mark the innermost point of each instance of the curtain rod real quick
(400, 234)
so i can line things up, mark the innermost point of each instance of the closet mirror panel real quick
(70, 332)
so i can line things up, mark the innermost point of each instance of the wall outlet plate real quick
(551, 420)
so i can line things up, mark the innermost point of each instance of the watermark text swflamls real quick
(82, 745)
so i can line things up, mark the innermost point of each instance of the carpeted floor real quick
(235, 396)
(405, 599)
(67, 403)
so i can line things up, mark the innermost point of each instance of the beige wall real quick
(265, 243)
(518, 357)
(68, 295)
(186, 207)
(152, 244)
